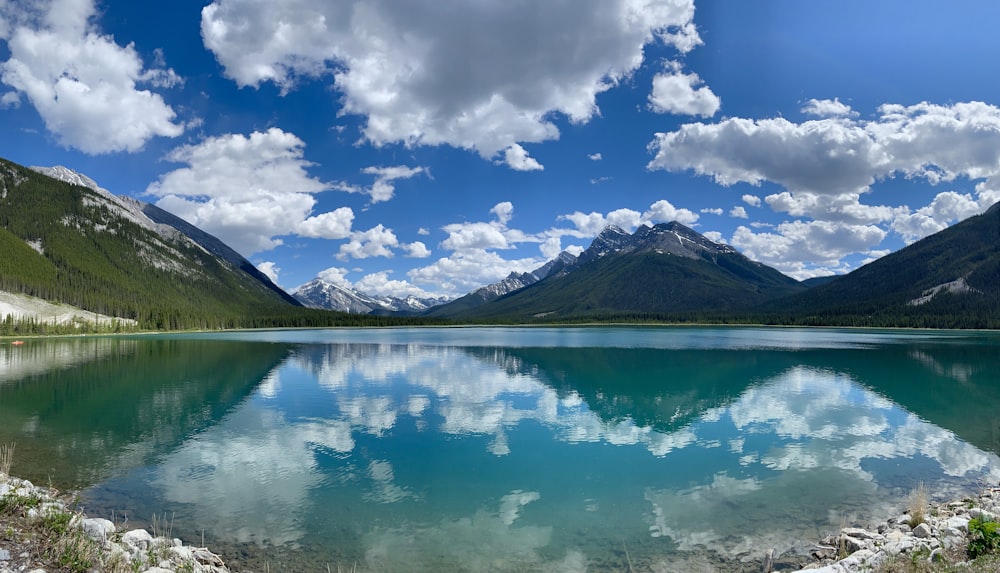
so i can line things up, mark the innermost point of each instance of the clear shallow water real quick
(505, 449)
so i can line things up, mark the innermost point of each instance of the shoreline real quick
(41, 532)
(927, 537)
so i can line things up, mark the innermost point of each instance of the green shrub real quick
(984, 537)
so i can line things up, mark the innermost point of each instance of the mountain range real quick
(322, 294)
(66, 239)
(668, 268)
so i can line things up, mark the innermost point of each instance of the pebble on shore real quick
(945, 527)
(852, 550)
(137, 548)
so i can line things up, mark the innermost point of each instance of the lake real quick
(505, 449)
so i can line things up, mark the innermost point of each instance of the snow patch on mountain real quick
(319, 293)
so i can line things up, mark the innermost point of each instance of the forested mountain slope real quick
(85, 247)
(950, 279)
(661, 270)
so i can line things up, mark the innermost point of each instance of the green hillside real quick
(881, 293)
(641, 284)
(88, 255)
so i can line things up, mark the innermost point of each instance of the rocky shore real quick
(939, 534)
(40, 533)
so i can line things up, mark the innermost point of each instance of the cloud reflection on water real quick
(785, 450)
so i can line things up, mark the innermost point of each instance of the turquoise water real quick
(505, 449)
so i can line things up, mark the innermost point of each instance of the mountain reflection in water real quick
(433, 455)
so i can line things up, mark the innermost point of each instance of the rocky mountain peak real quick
(69, 176)
(677, 239)
(319, 293)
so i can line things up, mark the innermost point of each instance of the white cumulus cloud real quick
(946, 208)
(797, 246)
(481, 76)
(663, 211)
(380, 284)
(335, 275)
(248, 191)
(416, 250)
(384, 186)
(375, 242)
(828, 108)
(828, 165)
(485, 235)
(517, 158)
(680, 93)
(270, 270)
(466, 270)
(10, 99)
(87, 89)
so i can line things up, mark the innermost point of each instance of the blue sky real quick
(430, 147)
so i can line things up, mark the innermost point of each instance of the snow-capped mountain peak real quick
(319, 293)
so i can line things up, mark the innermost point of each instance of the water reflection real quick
(518, 457)
(504, 459)
(81, 410)
(34, 358)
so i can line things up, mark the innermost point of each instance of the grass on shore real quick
(954, 561)
(6, 459)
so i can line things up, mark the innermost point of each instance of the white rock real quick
(859, 558)
(115, 549)
(902, 546)
(181, 553)
(857, 533)
(894, 536)
(983, 514)
(206, 557)
(138, 539)
(852, 544)
(98, 529)
(959, 523)
(922, 531)
(859, 561)
(158, 570)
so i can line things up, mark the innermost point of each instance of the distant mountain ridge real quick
(666, 268)
(512, 283)
(64, 238)
(322, 294)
